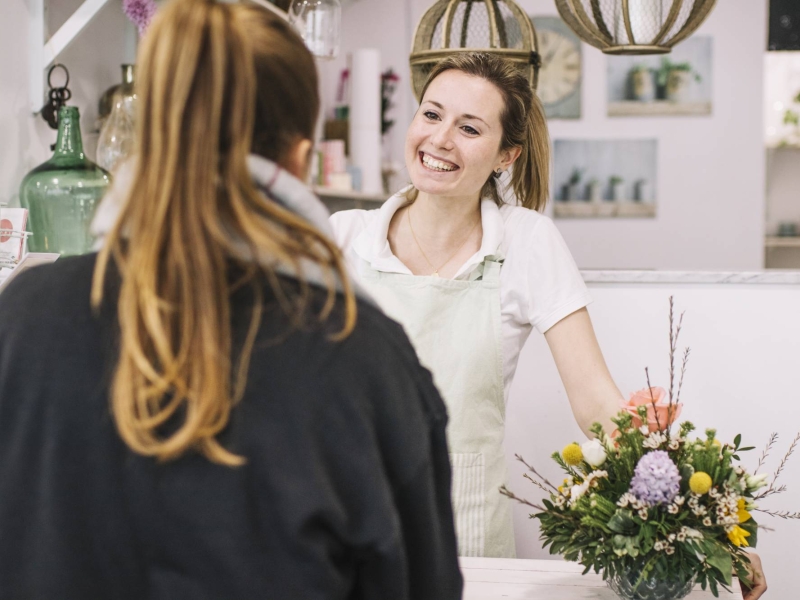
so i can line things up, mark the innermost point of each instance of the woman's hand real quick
(757, 578)
(592, 393)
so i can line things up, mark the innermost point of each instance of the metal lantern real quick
(634, 26)
(455, 26)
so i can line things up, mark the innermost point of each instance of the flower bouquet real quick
(655, 510)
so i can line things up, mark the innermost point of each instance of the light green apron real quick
(454, 326)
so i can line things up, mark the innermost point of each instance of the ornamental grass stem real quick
(772, 439)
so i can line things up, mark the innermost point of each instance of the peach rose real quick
(645, 397)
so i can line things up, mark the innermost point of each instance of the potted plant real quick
(674, 80)
(617, 185)
(573, 189)
(642, 83)
(594, 191)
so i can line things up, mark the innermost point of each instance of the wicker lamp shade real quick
(454, 26)
(634, 26)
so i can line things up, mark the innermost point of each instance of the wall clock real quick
(561, 72)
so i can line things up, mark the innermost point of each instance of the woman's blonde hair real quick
(524, 126)
(217, 82)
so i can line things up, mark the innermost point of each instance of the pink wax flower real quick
(140, 12)
(646, 397)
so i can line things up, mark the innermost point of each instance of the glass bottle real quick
(319, 23)
(62, 194)
(116, 137)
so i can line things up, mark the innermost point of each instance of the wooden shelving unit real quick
(776, 241)
(588, 210)
(635, 108)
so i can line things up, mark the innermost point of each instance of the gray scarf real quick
(275, 183)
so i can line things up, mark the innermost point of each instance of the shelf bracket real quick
(42, 53)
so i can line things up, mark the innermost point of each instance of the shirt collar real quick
(372, 244)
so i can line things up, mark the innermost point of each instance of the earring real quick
(498, 170)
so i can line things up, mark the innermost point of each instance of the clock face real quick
(560, 73)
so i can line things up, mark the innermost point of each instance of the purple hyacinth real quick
(656, 479)
(140, 12)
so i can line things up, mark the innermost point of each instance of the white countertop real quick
(496, 578)
(766, 277)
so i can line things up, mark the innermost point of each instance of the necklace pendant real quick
(435, 274)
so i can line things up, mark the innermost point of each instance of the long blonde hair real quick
(217, 82)
(524, 126)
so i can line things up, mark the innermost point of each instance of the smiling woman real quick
(470, 268)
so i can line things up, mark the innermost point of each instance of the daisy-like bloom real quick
(674, 444)
(707, 522)
(670, 550)
(654, 440)
(681, 537)
(625, 499)
(673, 509)
(659, 546)
(738, 536)
(643, 514)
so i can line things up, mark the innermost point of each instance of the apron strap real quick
(488, 271)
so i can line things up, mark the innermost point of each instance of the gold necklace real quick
(425, 256)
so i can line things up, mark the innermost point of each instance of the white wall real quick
(93, 60)
(740, 379)
(711, 169)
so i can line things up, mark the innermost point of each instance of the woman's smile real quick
(436, 164)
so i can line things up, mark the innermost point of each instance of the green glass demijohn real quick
(62, 194)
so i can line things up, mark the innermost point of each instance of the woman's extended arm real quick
(592, 393)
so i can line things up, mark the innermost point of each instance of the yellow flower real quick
(573, 455)
(743, 514)
(738, 536)
(700, 483)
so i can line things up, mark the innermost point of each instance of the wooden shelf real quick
(636, 108)
(350, 195)
(777, 241)
(605, 209)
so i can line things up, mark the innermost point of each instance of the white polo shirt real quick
(539, 281)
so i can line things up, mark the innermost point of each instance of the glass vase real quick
(62, 194)
(624, 586)
(116, 137)
(319, 23)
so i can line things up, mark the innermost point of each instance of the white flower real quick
(674, 444)
(670, 550)
(643, 514)
(576, 492)
(691, 533)
(645, 429)
(707, 521)
(654, 440)
(681, 537)
(593, 452)
(755, 482)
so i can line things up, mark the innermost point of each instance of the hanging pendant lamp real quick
(634, 26)
(451, 27)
